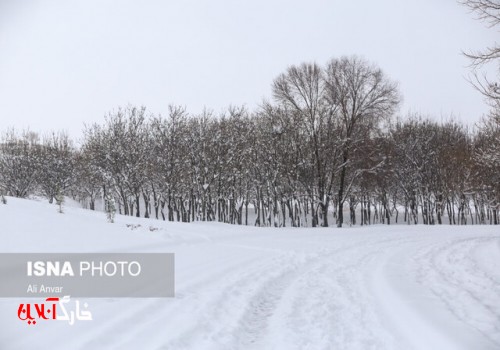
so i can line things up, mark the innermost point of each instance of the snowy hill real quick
(237, 287)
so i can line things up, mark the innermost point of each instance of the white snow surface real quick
(237, 287)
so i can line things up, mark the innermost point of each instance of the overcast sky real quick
(65, 63)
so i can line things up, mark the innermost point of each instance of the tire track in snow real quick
(333, 303)
(244, 293)
(315, 268)
(468, 292)
(428, 283)
(179, 307)
(138, 318)
(254, 322)
(222, 307)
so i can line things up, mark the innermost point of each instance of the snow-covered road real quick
(379, 287)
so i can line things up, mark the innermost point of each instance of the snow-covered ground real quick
(378, 287)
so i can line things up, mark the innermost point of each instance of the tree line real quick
(326, 145)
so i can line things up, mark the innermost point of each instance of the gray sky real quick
(65, 63)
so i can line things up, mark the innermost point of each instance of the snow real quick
(237, 287)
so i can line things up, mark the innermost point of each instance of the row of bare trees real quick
(325, 145)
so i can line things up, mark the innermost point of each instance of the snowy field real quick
(378, 287)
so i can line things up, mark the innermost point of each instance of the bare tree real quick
(489, 12)
(19, 163)
(88, 178)
(302, 92)
(169, 145)
(57, 166)
(361, 95)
